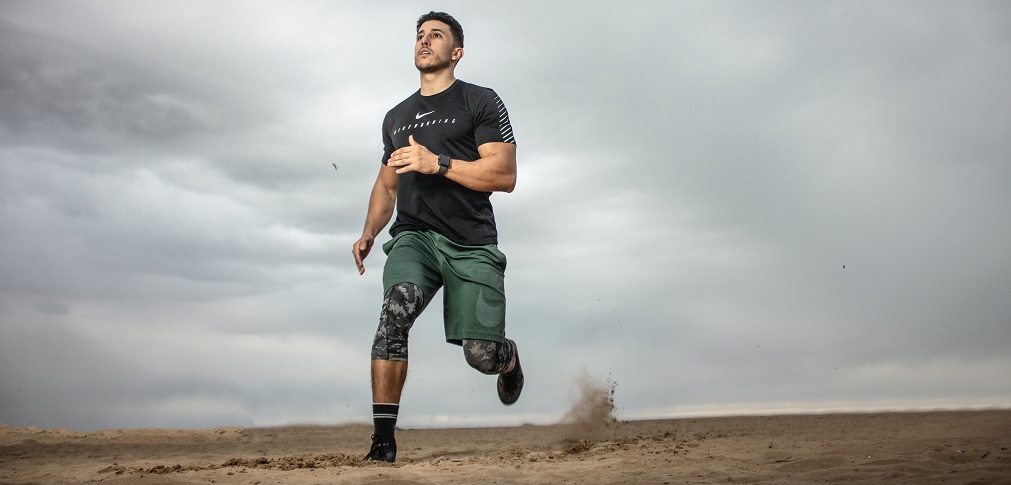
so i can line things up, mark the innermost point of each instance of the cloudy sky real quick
(693, 178)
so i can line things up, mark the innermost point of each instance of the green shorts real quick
(474, 278)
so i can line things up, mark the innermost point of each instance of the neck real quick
(436, 82)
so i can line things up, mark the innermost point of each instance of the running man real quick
(447, 147)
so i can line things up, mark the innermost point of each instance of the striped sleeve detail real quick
(504, 127)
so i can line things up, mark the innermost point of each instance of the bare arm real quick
(495, 171)
(381, 204)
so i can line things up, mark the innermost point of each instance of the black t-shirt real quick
(454, 122)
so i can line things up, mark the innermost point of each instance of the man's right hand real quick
(381, 205)
(361, 249)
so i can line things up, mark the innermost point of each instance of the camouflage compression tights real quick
(401, 306)
(486, 356)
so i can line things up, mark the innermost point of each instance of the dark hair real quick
(454, 27)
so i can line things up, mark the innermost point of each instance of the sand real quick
(928, 447)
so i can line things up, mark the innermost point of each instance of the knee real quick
(401, 306)
(402, 303)
(483, 365)
(482, 355)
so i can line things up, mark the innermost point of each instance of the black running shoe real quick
(510, 384)
(382, 450)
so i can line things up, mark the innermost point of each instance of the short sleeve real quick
(387, 139)
(491, 121)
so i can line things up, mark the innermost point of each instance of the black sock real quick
(384, 419)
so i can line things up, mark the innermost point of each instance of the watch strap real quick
(444, 161)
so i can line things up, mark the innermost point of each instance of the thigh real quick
(474, 300)
(412, 257)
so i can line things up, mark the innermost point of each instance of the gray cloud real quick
(693, 178)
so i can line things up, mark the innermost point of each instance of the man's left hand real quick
(414, 158)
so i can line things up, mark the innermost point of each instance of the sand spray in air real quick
(593, 412)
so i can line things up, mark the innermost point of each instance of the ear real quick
(457, 54)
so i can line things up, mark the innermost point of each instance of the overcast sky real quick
(693, 178)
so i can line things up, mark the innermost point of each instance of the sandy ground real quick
(931, 447)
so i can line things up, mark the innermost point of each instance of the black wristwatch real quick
(443, 164)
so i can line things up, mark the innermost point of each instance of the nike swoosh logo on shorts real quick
(487, 313)
(422, 115)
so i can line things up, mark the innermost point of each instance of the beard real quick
(433, 65)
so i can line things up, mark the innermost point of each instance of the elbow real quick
(509, 178)
(509, 184)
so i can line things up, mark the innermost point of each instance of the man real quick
(447, 147)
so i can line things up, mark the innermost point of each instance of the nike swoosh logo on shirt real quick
(422, 115)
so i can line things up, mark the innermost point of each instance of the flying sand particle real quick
(593, 412)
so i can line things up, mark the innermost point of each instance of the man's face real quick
(433, 48)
